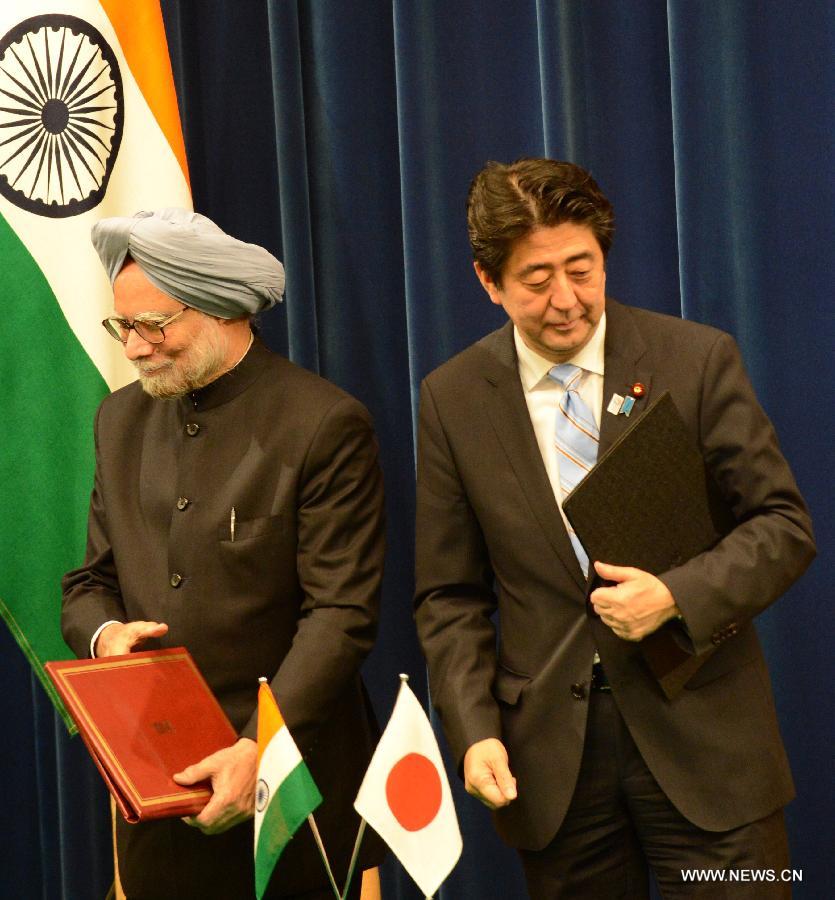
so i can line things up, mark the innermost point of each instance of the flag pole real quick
(312, 822)
(352, 865)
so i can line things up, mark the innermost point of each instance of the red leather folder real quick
(145, 716)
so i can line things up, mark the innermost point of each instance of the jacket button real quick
(175, 580)
(182, 503)
(192, 428)
(578, 691)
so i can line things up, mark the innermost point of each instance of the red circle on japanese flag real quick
(413, 791)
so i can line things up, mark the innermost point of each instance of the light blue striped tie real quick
(577, 438)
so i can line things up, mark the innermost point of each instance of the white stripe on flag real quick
(61, 247)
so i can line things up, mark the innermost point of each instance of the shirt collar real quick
(231, 383)
(533, 368)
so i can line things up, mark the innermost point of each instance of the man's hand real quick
(486, 774)
(117, 638)
(232, 773)
(637, 605)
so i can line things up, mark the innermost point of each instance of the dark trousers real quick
(169, 860)
(620, 823)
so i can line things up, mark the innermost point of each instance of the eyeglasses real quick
(152, 332)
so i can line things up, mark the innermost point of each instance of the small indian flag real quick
(285, 794)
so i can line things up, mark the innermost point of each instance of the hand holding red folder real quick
(118, 638)
(145, 716)
(231, 772)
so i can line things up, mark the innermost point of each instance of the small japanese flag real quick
(405, 796)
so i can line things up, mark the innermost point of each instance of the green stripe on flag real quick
(295, 800)
(50, 393)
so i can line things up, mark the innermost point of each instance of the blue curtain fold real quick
(343, 137)
(753, 130)
(288, 120)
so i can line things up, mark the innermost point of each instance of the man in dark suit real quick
(237, 510)
(548, 705)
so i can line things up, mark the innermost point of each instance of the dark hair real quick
(506, 202)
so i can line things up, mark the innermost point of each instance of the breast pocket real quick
(250, 529)
(262, 554)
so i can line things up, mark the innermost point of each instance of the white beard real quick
(192, 368)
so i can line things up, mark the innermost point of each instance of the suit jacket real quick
(294, 597)
(490, 538)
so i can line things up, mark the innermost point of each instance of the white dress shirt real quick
(543, 395)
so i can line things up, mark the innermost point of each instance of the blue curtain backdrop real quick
(343, 137)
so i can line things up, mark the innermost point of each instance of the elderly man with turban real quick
(237, 510)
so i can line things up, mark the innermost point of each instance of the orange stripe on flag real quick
(141, 32)
(270, 720)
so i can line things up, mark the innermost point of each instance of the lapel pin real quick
(636, 392)
(615, 404)
(622, 406)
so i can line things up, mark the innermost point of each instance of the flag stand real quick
(317, 837)
(352, 865)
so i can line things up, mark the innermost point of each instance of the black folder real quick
(648, 503)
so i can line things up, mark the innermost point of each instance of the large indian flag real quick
(89, 128)
(285, 793)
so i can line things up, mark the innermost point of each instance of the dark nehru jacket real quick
(490, 537)
(293, 597)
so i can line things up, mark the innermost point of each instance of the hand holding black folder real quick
(647, 504)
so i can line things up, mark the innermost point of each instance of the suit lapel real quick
(505, 403)
(511, 421)
(623, 368)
